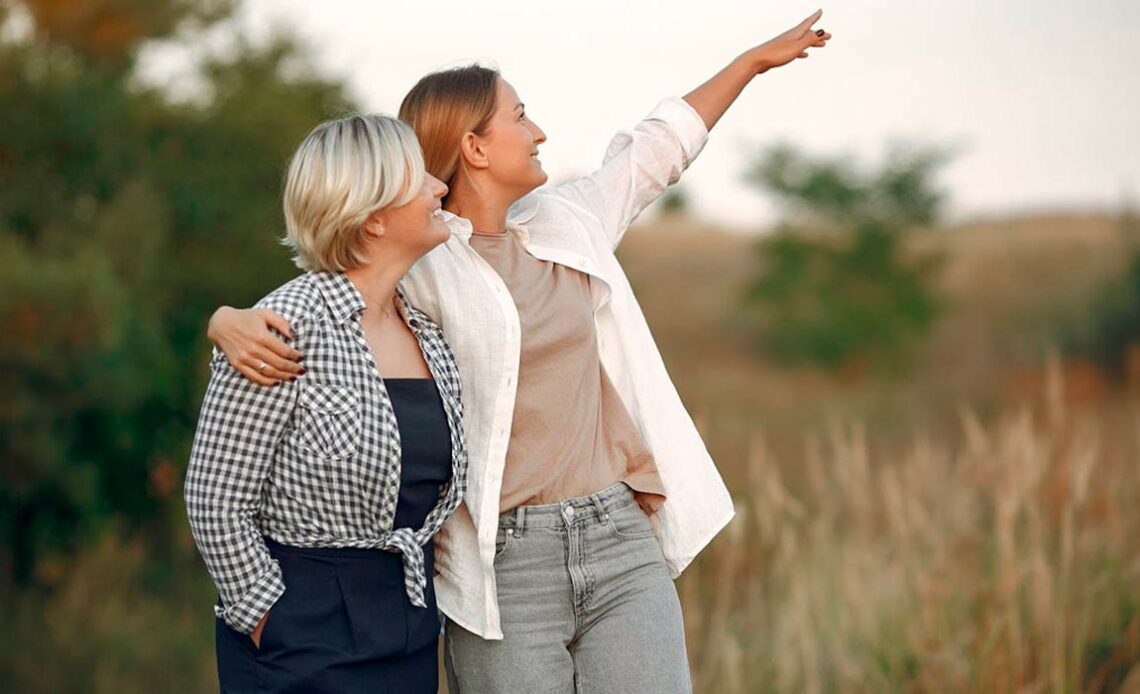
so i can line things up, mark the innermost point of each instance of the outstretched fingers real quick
(805, 25)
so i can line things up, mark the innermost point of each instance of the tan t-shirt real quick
(571, 434)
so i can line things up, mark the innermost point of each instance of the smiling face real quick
(417, 226)
(510, 145)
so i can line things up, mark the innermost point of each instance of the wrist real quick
(755, 62)
(212, 325)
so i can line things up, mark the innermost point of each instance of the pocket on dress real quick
(309, 617)
(330, 423)
(377, 614)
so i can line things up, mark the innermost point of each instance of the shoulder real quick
(562, 205)
(297, 300)
(423, 321)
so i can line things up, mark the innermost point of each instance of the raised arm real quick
(641, 163)
(712, 99)
(247, 338)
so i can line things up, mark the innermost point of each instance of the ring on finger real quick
(262, 367)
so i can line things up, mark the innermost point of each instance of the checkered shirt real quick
(314, 462)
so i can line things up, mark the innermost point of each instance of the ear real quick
(472, 152)
(374, 225)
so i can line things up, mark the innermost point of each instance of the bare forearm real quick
(713, 98)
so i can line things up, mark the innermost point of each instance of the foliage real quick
(1110, 330)
(125, 218)
(674, 201)
(847, 292)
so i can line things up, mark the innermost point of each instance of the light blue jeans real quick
(586, 603)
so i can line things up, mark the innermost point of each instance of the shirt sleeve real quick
(239, 427)
(639, 165)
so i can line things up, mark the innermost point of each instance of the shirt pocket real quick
(330, 420)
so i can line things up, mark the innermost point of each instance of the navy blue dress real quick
(344, 623)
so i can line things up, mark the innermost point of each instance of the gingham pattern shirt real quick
(314, 462)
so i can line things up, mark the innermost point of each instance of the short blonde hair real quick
(343, 172)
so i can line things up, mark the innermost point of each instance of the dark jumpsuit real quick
(344, 623)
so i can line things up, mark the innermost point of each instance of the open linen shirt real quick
(314, 462)
(577, 224)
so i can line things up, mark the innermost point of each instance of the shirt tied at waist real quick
(404, 542)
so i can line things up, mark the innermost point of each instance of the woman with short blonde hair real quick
(314, 504)
(591, 487)
(345, 171)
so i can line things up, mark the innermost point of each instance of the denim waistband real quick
(579, 509)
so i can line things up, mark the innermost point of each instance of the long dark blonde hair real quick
(445, 105)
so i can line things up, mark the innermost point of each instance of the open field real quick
(973, 526)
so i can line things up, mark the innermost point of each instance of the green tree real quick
(835, 284)
(675, 201)
(125, 217)
(1108, 332)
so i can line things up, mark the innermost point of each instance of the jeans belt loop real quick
(520, 521)
(599, 507)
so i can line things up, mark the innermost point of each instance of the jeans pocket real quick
(504, 540)
(629, 523)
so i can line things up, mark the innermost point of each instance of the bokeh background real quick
(899, 292)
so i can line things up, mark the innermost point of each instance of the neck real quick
(484, 207)
(376, 281)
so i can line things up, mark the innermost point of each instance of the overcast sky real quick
(1041, 97)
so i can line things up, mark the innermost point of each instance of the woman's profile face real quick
(511, 143)
(417, 225)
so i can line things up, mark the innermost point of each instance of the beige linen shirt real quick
(571, 435)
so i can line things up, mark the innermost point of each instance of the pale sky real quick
(1042, 97)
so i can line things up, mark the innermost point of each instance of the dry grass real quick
(976, 529)
(1005, 560)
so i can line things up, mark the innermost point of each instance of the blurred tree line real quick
(839, 286)
(127, 213)
(836, 285)
(1108, 333)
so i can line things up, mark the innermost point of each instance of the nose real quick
(438, 187)
(539, 136)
